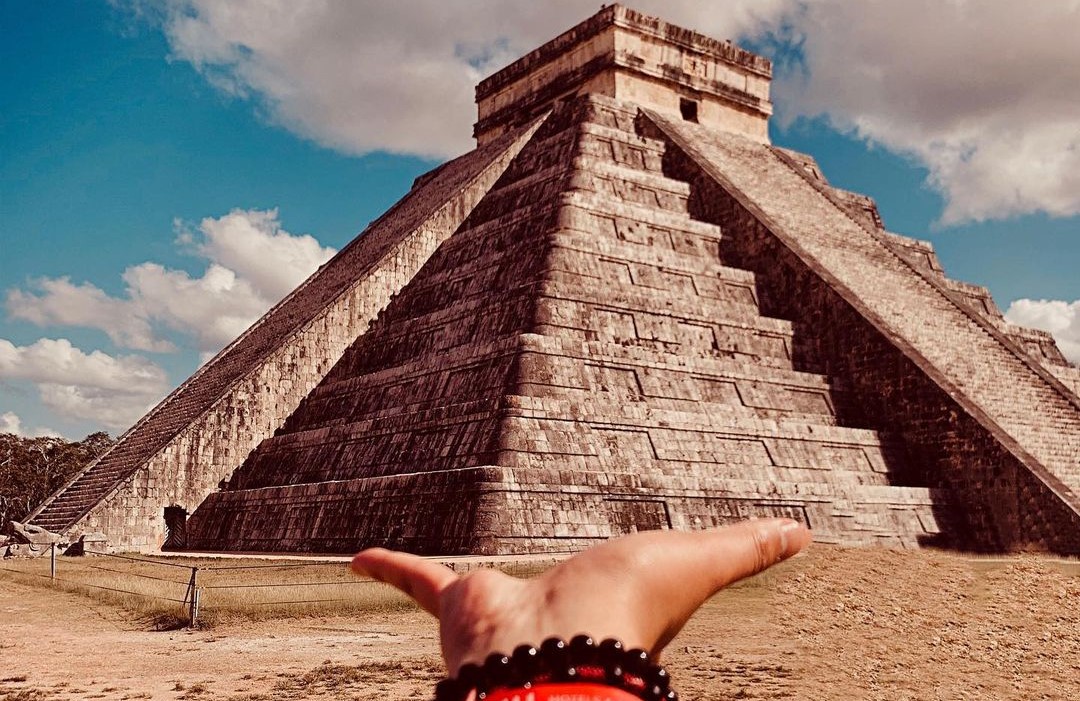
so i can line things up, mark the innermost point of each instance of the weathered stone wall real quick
(246, 392)
(1070, 376)
(426, 512)
(998, 502)
(575, 362)
(423, 389)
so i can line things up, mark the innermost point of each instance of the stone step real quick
(580, 354)
(622, 148)
(714, 478)
(590, 168)
(727, 334)
(694, 255)
(594, 132)
(636, 422)
(625, 185)
(576, 505)
(580, 209)
(760, 400)
(966, 357)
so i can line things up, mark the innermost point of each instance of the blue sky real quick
(167, 172)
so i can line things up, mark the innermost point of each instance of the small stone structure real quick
(624, 311)
(28, 540)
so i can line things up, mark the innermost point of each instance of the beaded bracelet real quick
(559, 662)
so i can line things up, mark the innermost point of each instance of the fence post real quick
(52, 562)
(195, 607)
(193, 597)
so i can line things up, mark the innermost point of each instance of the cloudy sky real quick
(170, 169)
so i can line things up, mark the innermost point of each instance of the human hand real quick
(640, 589)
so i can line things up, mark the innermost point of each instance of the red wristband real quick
(564, 692)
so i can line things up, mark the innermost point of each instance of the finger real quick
(668, 575)
(421, 579)
(712, 559)
(742, 550)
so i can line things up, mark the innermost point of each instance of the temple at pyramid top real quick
(626, 55)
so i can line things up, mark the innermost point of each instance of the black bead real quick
(553, 646)
(613, 674)
(524, 659)
(449, 690)
(469, 675)
(636, 661)
(581, 643)
(497, 670)
(670, 696)
(582, 650)
(610, 651)
(658, 675)
(553, 653)
(653, 692)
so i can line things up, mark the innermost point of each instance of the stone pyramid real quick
(624, 311)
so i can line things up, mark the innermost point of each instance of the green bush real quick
(31, 469)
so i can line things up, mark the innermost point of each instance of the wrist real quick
(618, 673)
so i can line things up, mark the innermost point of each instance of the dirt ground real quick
(833, 624)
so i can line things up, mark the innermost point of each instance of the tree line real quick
(31, 469)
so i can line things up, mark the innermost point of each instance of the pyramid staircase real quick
(182, 449)
(988, 418)
(575, 362)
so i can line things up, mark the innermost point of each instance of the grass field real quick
(232, 590)
(229, 590)
(239, 589)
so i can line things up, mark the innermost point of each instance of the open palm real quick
(639, 589)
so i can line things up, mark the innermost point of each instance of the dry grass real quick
(23, 695)
(148, 591)
(239, 590)
(340, 680)
(157, 590)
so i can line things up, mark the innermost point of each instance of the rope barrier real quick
(272, 567)
(218, 587)
(119, 591)
(341, 582)
(139, 559)
(29, 574)
(299, 601)
(92, 586)
(136, 574)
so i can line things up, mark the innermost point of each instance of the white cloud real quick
(397, 76)
(985, 94)
(252, 263)
(11, 423)
(56, 301)
(113, 391)
(254, 246)
(1061, 319)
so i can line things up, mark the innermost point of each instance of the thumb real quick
(421, 579)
